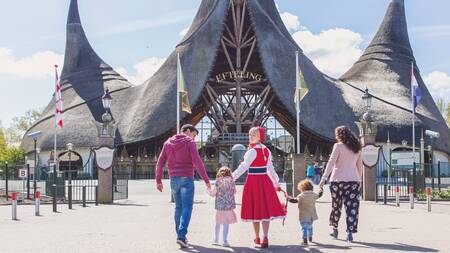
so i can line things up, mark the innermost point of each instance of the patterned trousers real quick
(347, 193)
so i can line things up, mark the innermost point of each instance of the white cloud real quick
(184, 32)
(139, 25)
(432, 31)
(291, 21)
(438, 84)
(37, 66)
(142, 70)
(333, 51)
(26, 82)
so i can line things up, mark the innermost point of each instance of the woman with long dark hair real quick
(344, 172)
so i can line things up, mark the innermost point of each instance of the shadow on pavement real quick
(315, 247)
(396, 246)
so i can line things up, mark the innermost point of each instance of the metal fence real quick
(417, 175)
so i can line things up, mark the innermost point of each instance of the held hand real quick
(322, 183)
(278, 189)
(208, 185)
(159, 187)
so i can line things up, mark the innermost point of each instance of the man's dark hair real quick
(189, 127)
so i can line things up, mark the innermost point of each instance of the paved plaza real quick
(143, 223)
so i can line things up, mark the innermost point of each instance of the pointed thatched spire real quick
(392, 36)
(385, 69)
(79, 53)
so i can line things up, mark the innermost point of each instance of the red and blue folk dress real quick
(259, 198)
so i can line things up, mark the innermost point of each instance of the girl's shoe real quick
(257, 242)
(215, 242)
(265, 243)
(226, 244)
(305, 242)
(350, 237)
(334, 233)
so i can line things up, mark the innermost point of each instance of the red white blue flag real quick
(416, 93)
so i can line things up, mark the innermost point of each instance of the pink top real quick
(344, 165)
(181, 154)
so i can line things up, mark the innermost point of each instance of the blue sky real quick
(135, 37)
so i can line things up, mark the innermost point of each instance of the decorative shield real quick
(370, 155)
(104, 157)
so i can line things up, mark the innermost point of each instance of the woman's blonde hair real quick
(224, 172)
(255, 130)
(305, 185)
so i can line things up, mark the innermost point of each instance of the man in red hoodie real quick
(181, 154)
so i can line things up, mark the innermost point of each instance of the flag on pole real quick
(301, 89)
(58, 101)
(185, 106)
(415, 89)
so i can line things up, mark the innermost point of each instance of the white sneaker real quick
(215, 242)
(226, 244)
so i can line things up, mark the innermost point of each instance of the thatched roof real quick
(148, 111)
(83, 80)
(385, 69)
(155, 108)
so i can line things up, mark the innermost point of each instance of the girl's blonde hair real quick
(224, 172)
(305, 185)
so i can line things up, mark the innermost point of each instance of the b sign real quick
(370, 155)
(23, 173)
(104, 157)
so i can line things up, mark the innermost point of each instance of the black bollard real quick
(70, 195)
(385, 194)
(55, 209)
(96, 195)
(6, 181)
(84, 195)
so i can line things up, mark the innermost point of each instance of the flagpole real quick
(297, 78)
(413, 115)
(178, 92)
(55, 155)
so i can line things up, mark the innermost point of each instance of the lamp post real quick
(35, 136)
(368, 131)
(70, 148)
(104, 153)
(367, 98)
(366, 126)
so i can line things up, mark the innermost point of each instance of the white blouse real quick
(249, 157)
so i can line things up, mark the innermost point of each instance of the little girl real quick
(224, 190)
(307, 208)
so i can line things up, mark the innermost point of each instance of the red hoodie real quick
(181, 153)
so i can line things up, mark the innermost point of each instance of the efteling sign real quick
(233, 75)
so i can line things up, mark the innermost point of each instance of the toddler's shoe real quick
(215, 242)
(226, 244)
(305, 242)
(310, 239)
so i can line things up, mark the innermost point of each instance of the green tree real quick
(448, 115)
(8, 153)
(20, 125)
(441, 105)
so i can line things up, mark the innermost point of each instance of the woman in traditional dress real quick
(260, 203)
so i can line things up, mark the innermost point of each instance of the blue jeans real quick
(307, 229)
(316, 179)
(183, 194)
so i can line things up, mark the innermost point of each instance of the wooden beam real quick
(249, 56)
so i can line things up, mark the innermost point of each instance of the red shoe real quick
(257, 242)
(265, 243)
